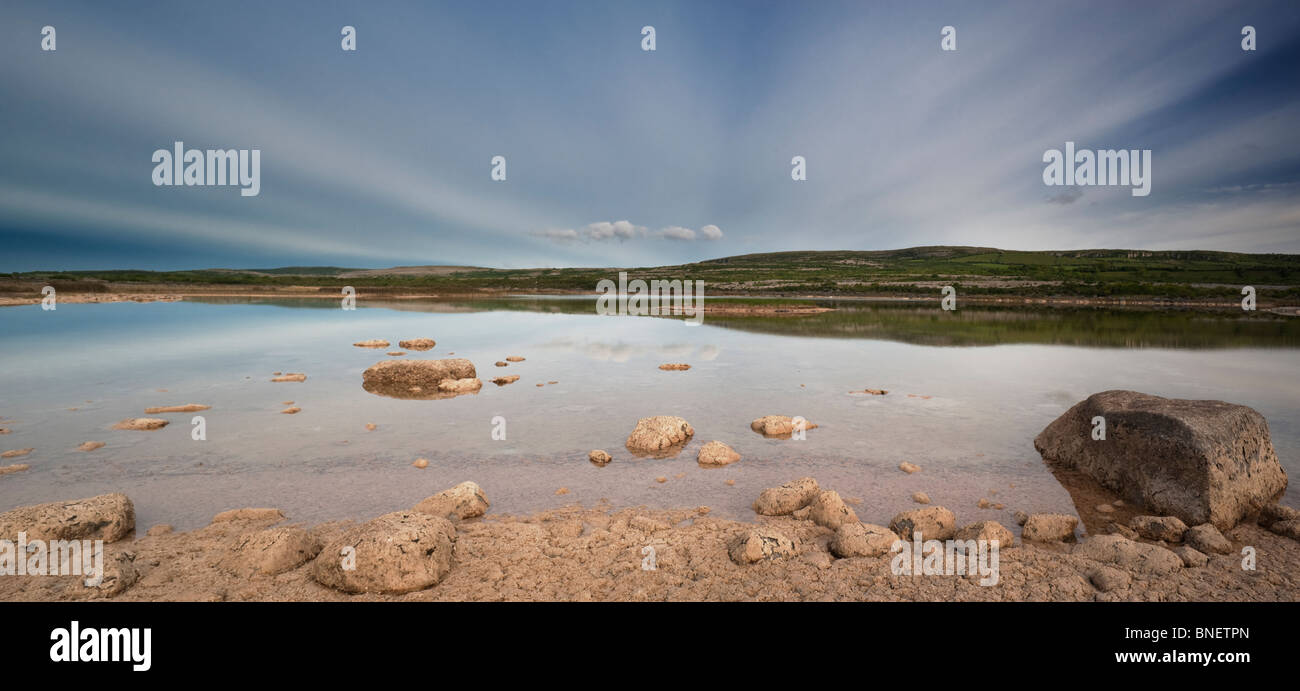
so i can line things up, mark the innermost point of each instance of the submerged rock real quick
(15, 468)
(396, 553)
(599, 457)
(373, 343)
(658, 433)
(141, 424)
(674, 367)
(187, 408)
(90, 445)
(788, 498)
(107, 517)
(909, 468)
(778, 425)
(15, 453)
(508, 379)
(290, 377)
(1201, 461)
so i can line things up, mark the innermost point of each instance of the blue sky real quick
(620, 157)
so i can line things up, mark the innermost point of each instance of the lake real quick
(983, 382)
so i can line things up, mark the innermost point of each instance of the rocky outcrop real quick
(717, 453)
(1201, 461)
(934, 523)
(786, 499)
(396, 553)
(658, 433)
(466, 500)
(107, 517)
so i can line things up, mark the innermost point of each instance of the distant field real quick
(913, 271)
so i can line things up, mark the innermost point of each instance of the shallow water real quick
(995, 377)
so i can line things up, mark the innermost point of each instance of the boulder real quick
(786, 499)
(862, 540)
(1165, 528)
(1201, 461)
(1135, 557)
(1049, 527)
(107, 517)
(777, 425)
(466, 500)
(273, 551)
(829, 510)
(760, 544)
(933, 522)
(396, 553)
(658, 433)
(717, 453)
(988, 531)
(1207, 538)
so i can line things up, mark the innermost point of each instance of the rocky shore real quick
(1177, 500)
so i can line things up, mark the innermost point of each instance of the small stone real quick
(934, 523)
(160, 529)
(417, 344)
(921, 497)
(1165, 528)
(1104, 508)
(421, 463)
(599, 457)
(1289, 528)
(674, 367)
(90, 445)
(291, 410)
(716, 453)
(909, 468)
(370, 426)
(141, 423)
(372, 343)
(661, 479)
(1207, 538)
(562, 490)
(1192, 558)
(983, 504)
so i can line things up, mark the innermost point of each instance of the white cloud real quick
(711, 232)
(678, 233)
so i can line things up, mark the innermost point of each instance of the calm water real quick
(994, 378)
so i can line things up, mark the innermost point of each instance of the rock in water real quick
(141, 423)
(778, 425)
(421, 379)
(417, 344)
(658, 433)
(107, 517)
(786, 499)
(599, 457)
(465, 500)
(396, 553)
(1201, 461)
(717, 453)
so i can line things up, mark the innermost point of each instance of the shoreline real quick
(315, 293)
(599, 554)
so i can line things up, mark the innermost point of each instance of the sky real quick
(617, 156)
